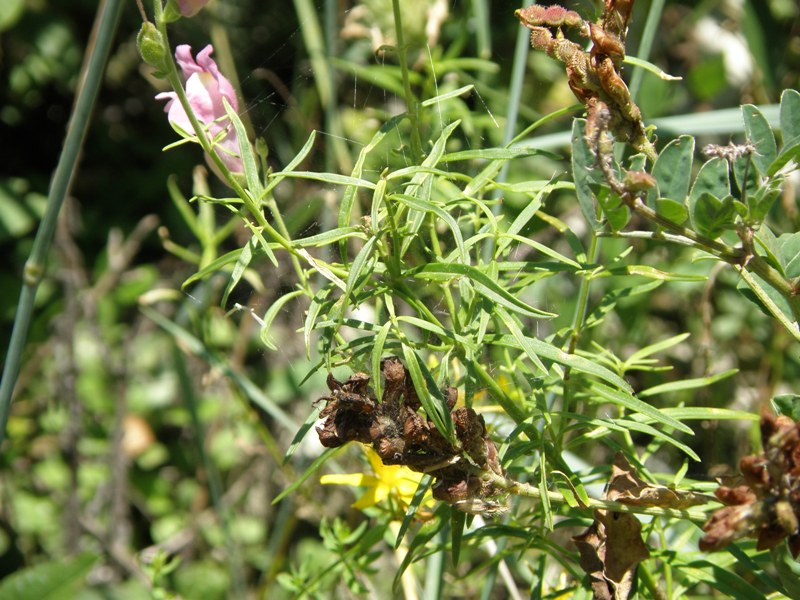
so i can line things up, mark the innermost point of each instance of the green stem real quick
(448, 295)
(108, 15)
(737, 257)
(411, 101)
(578, 320)
(518, 488)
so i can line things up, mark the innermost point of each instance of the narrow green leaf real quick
(329, 237)
(184, 208)
(724, 581)
(301, 433)
(517, 413)
(349, 196)
(543, 489)
(546, 250)
(651, 273)
(313, 467)
(439, 331)
(377, 357)
(311, 316)
(760, 135)
(483, 285)
(437, 151)
(430, 207)
(245, 152)
(651, 68)
(655, 348)
(408, 518)
(701, 413)
(635, 405)
(458, 520)
(547, 351)
(525, 343)
(448, 95)
(673, 169)
(377, 204)
(270, 315)
(276, 178)
(332, 178)
(686, 384)
(357, 270)
(242, 263)
(788, 569)
(384, 76)
(429, 396)
(214, 266)
(522, 219)
(605, 426)
(497, 154)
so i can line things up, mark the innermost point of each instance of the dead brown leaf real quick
(612, 547)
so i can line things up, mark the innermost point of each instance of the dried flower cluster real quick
(767, 503)
(402, 435)
(593, 76)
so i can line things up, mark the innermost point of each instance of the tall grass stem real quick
(98, 51)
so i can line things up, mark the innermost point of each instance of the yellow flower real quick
(395, 482)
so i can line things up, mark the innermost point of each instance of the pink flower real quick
(190, 8)
(205, 89)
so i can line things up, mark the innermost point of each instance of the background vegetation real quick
(148, 436)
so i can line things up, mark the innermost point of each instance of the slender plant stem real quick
(108, 15)
(578, 320)
(411, 101)
(530, 491)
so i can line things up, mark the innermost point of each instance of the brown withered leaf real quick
(612, 547)
(630, 489)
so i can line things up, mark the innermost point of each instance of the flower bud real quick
(151, 46)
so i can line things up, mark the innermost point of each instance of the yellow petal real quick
(366, 500)
(358, 479)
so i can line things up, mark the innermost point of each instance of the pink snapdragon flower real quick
(190, 8)
(205, 89)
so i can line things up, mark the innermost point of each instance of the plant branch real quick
(108, 15)
(411, 101)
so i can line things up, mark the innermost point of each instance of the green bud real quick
(151, 46)
(171, 12)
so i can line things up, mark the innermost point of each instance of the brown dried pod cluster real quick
(766, 504)
(401, 434)
(594, 76)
